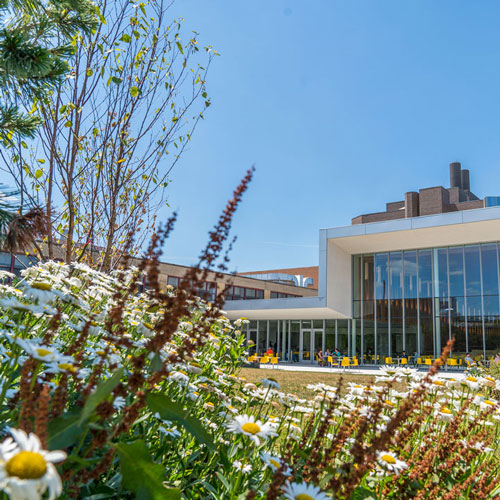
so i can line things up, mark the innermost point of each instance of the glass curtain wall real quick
(413, 301)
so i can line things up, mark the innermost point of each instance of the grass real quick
(296, 382)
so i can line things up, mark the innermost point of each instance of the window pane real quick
(425, 273)
(472, 271)
(343, 336)
(396, 275)
(356, 277)
(410, 274)
(173, 281)
(250, 293)
(330, 335)
(260, 294)
(381, 276)
(442, 281)
(274, 295)
(456, 264)
(368, 278)
(411, 336)
(489, 265)
(396, 335)
(273, 336)
(262, 337)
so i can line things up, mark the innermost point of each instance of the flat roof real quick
(448, 229)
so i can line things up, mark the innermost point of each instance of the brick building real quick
(433, 200)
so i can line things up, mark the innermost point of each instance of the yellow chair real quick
(354, 362)
(264, 360)
(428, 361)
(330, 361)
(345, 362)
(251, 359)
(404, 361)
(388, 360)
(451, 362)
(419, 361)
(274, 361)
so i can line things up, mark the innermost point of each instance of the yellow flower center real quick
(303, 496)
(26, 465)
(389, 459)
(43, 352)
(41, 286)
(388, 403)
(275, 463)
(488, 402)
(251, 428)
(445, 410)
(438, 382)
(66, 366)
(472, 379)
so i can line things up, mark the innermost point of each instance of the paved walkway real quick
(364, 370)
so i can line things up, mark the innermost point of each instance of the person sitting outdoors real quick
(270, 352)
(468, 360)
(321, 359)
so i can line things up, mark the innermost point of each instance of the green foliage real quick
(170, 410)
(35, 45)
(141, 475)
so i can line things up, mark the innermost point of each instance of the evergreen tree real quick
(36, 41)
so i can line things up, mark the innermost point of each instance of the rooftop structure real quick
(434, 200)
(306, 277)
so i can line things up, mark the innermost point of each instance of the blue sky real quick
(342, 106)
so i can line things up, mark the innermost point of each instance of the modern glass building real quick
(416, 300)
(390, 287)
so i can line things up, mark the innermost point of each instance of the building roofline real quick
(420, 222)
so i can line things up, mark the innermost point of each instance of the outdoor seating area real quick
(346, 362)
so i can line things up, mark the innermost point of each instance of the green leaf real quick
(174, 119)
(141, 475)
(170, 410)
(102, 391)
(363, 494)
(125, 38)
(38, 173)
(64, 431)
(156, 363)
(134, 91)
(116, 80)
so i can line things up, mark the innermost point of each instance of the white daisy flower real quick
(270, 382)
(242, 467)
(254, 429)
(170, 432)
(303, 491)
(274, 463)
(26, 470)
(390, 462)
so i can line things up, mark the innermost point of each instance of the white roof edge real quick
(264, 304)
(420, 222)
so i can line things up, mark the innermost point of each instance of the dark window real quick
(173, 281)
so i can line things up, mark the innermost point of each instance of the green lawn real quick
(296, 382)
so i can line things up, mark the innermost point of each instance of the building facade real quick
(404, 285)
